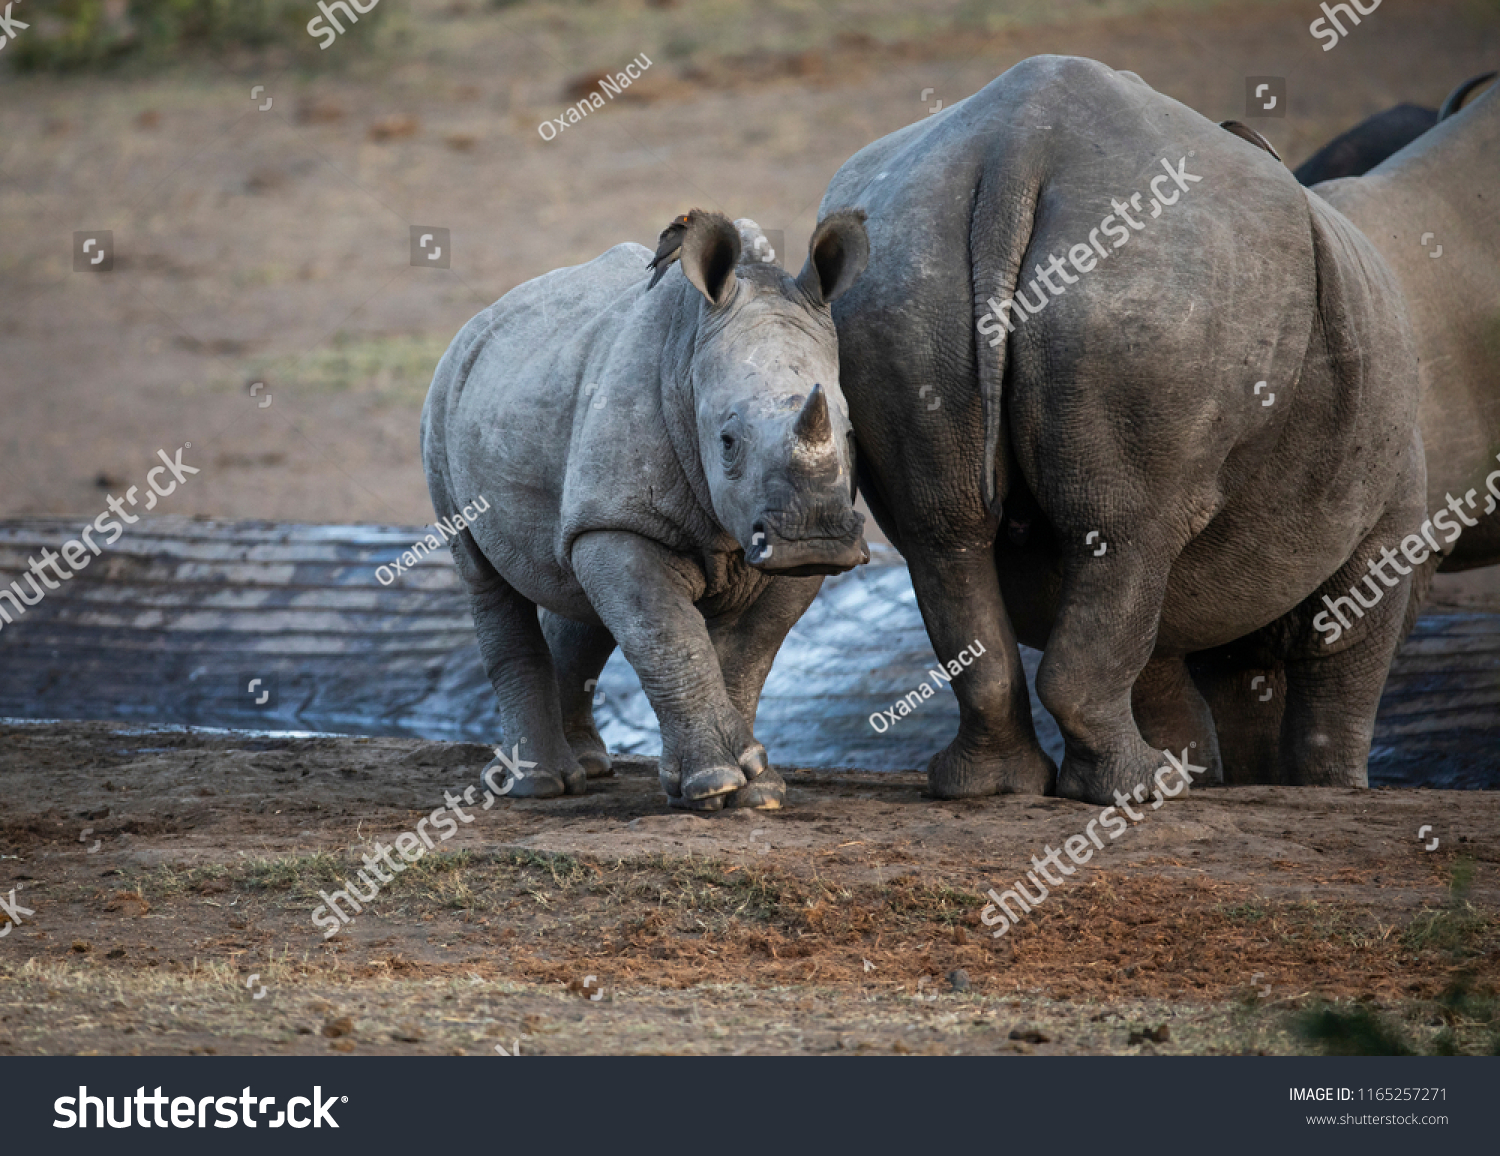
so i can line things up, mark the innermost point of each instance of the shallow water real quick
(284, 631)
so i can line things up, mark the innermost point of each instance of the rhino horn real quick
(813, 424)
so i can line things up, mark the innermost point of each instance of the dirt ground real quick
(165, 886)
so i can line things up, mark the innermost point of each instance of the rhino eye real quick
(730, 443)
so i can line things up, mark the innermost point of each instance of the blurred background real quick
(265, 237)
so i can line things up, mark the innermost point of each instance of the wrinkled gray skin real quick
(1126, 409)
(1445, 183)
(637, 448)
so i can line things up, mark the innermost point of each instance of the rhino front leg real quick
(579, 652)
(1173, 716)
(747, 644)
(645, 596)
(996, 750)
(1247, 704)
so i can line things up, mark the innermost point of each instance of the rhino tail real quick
(997, 247)
(1460, 94)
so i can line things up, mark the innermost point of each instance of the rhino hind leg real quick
(1333, 691)
(579, 652)
(1334, 684)
(519, 666)
(1100, 645)
(996, 751)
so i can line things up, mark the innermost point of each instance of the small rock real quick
(1030, 1036)
(341, 1046)
(334, 1029)
(115, 953)
(407, 1034)
(1157, 1035)
(82, 946)
(958, 979)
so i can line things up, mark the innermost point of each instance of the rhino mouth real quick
(805, 555)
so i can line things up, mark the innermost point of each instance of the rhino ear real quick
(836, 256)
(710, 251)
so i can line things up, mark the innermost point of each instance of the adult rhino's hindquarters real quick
(671, 470)
(1177, 401)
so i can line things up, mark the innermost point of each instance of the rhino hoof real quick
(755, 762)
(528, 786)
(766, 793)
(954, 773)
(712, 781)
(712, 803)
(596, 765)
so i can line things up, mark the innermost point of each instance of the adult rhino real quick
(1430, 210)
(671, 471)
(1433, 211)
(1124, 431)
(1372, 140)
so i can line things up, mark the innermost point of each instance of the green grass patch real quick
(397, 369)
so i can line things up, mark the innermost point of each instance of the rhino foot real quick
(958, 773)
(709, 781)
(765, 793)
(712, 803)
(596, 764)
(533, 783)
(717, 784)
(1145, 777)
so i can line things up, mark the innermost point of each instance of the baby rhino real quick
(671, 469)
